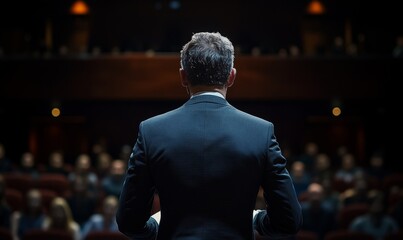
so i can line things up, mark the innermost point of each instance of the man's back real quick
(207, 160)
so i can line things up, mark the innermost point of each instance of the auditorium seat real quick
(306, 235)
(20, 182)
(105, 235)
(348, 213)
(392, 180)
(54, 182)
(15, 199)
(39, 234)
(347, 235)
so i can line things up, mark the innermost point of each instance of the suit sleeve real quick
(283, 216)
(135, 201)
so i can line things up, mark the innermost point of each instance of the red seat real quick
(348, 213)
(347, 235)
(105, 235)
(306, 235)
(392, 180)
(20, 182)
(54, 182)
(14, 199)
(39, 234)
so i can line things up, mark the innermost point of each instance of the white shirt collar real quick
(208, 93)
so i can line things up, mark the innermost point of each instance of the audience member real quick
(348, 170)
(338, 155)
(300, 177)
(83, 168)
(360, 193)
(338, 47)
(60, 218)
(398, 49)
(318, 217)
(97, 148)
(113, 182)
(5, 209)
(125, 152)
(56, 164)
(376, 223)
(103, 163)
(395, 205)
(104, 221)
(311, 150)
(331, 197)
(376, 169)
(5, 162)
(31, 217)
(82, 201)
(28, 166)
(322, 168)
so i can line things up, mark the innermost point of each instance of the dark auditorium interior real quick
(78, 76)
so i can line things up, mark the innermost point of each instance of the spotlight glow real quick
(336, 111)
(56, 112)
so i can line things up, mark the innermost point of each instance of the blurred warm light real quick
(79, 7)
(336, 111)
(316, 7)
(55, 112)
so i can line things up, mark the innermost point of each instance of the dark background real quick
(80, 61)
(135, 25)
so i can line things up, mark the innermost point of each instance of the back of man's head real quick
(207, 59)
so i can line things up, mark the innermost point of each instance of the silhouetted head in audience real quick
(298, 170)
(104, 160)
(118, 169)
(2, 190)
(322, 162)
(83, 164)
(377, 209)
(125, 152)
(60, 214)
(315, 191)
(348, 162)
(27, 161)
(361, 185)
(34, 202)
(80, 186)
(109, 207)
(56, 160)
(2, 151)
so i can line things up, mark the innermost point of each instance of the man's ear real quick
(231, 78)
(184, 77)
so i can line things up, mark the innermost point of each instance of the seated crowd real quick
(78, 199)
(336, 193)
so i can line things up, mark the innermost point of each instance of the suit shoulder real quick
(160, 117)
(250, 117)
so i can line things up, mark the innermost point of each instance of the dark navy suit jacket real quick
(207, 160)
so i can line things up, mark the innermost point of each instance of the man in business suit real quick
(207, 160)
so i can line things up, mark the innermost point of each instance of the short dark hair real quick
(207, 59)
